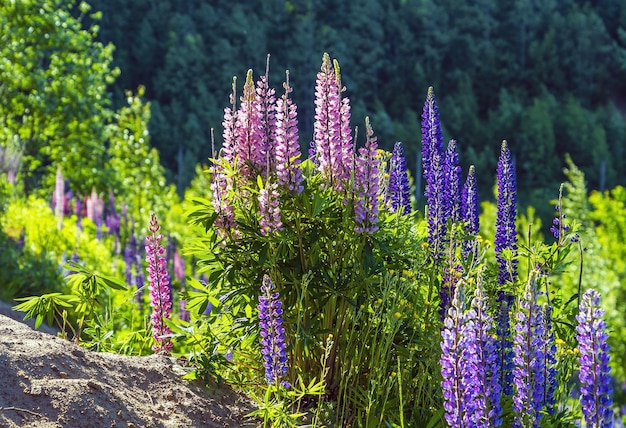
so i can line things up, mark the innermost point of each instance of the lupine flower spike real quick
(265, 122)
(287, 147)
(452, 186)
(469, 213)
(595, 390)
(366, 184)
(506, 232)
(269, 210)
(159, 290)
(434, 175)
(273, 346)
(398, 192)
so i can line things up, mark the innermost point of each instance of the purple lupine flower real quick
(113, 220)
(595, 390)
(312, 153)
(433, 159)
(265, 122)
(366, 184)
(59, 198)
(331, 129)
(399, 192)
(139, 272)
(287, 147)
(228, 151)
(506, 232)
(269, 210)
(469, 213)
(529, 359)
(488, 369)
(221, 190)
(251, 154)
(159, 290)
(95, 211)
(505, 344)
(273, 346)
(184, 313)
(459, 361)
(452, 186)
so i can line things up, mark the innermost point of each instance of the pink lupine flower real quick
(159, 291)
(367, 185)
(287, 153)
(264, 133)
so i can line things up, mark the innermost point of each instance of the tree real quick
(53, 101)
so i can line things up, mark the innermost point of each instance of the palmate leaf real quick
(43, 306)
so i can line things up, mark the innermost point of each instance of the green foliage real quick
(53, 99)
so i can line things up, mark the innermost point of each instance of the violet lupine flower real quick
(434, 175)
(312, 153)
(452, 186)
(159, 288)
(59, 198)
(595, 390)
(488, 369)
(366, 185)
(506, 232)
(221, 190)
(287, 152)
(95, 211)
(273, 346)
(331, 128)
(249, 149)
(505, 344)
(469, 213)
(265, 122)
(529, 359)
(459, 363)
(399, 192)
(269, 209)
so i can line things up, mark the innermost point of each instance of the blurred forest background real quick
(546, 75)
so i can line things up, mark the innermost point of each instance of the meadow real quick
(318, 286)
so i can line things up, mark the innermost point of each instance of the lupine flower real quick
(506, 232)
(265, 122)
(398, 192)
(434, 175)
(79, 215)
(221, 189)
(459, 364)
(159, 290)
(59, 198)
(488, 400)
(228, 151)
(366, 185)
(312, 153)
(249, 149)
(452, 186)
(505, 344)
(529, 359)
(139, 273)
(95, 211)
(269, 210)
(549, 364)
(469, 212)
(595, 390)
(331, 128)
(287, 147)
(273, 346)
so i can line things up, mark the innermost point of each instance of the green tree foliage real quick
(53, 81)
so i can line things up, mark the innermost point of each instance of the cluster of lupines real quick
(261, 140)
(595, 391)
(273, 346)
(159, 287)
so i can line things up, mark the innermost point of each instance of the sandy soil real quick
(49, 382)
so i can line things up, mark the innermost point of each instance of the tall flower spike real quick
(269, 209)
(399, 192)
(229, 149)
(595, 391)
(367, 185)
(452, 186)
(549, 364)
(506, 232)
(434, 175)
(287, 147)
(159, 290)
(265, 122)
(529, 359)
(469, 213)
(273, 346)
(250, 152)
(331, 128)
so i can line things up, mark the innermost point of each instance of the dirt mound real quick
(49, 382)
